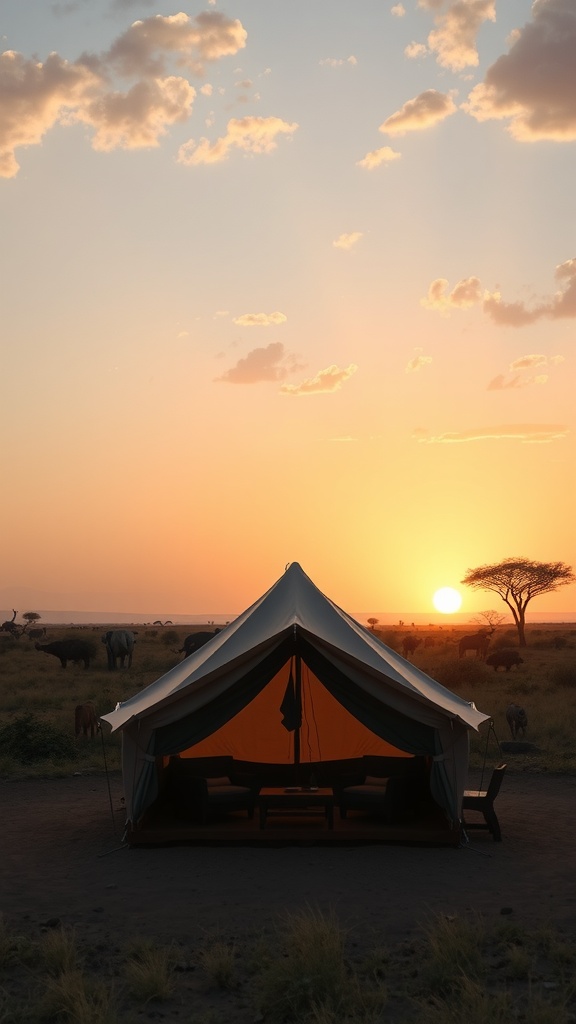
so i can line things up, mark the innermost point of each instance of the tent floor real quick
(236, 829)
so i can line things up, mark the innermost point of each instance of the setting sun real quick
(447, 600)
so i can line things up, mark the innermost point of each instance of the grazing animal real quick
(504, 658)
(196, 640)
(69, 650)
(476, 642)
(119, 647)
(35, 634)
(517, 720)
(85, 719)
(409, 644)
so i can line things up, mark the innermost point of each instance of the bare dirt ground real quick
(63, 858)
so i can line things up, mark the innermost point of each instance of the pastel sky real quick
(286, 281)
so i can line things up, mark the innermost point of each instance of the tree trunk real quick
(521, 624)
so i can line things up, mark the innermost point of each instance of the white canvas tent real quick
(356, 696)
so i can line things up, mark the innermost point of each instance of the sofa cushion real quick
(224, 794)
(223, 780)
(372, 780)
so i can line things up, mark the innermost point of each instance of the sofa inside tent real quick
(293, 693)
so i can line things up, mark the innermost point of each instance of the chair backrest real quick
(496, 782)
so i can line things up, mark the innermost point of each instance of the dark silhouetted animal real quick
(476, 642)
(85, 720)
(119, 647)
(196, 640)
(35, 634)
(9, 626)
(517, 720)
(504, 658)
(409, 644)
(69, 650)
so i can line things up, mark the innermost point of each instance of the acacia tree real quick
(30, 619)
(490, 618)
(517, 581)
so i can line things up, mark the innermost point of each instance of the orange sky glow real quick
(285, 282)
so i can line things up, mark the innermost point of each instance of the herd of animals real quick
(119, 644)
(477, 642)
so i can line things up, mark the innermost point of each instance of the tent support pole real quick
(298, 707)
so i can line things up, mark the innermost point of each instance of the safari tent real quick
(294, 679)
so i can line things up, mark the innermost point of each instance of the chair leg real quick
(493, 824)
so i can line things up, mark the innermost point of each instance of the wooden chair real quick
(483, 801)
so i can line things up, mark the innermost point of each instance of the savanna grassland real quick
(309, 971)
(97, 934)
(38, 697)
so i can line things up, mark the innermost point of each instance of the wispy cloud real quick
(325, 382)
(338, 62)
(271, 363)
(521, 373)
(425, 110)
(398, 11)
(260, 319)
(347, 241)
(533, 86)
(469, 292)
(528, 433)
(418, 361)
(249, 134)
(377, 157)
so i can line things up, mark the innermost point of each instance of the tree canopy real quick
(517, 581)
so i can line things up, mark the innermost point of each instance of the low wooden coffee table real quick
(299, 800)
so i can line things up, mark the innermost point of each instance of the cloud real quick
(429, 108)
(347, 241)
(34, 96)
(325, 382)
(338, 62)
(191, 42)
(533, 86)
(521, 369)
(260, 319)
(261, 364)
(525, 432)
(454, 39)
(562, 305)
(418, 361)
(376, 157)
(466, 293)
(139, 117)
(502, 383)
(527, 362)
(415, 50)
(398, 10)
(250, 134)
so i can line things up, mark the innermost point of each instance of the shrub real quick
(171, 637)
(149, 973)
(28, 739)
(311, 974)
(218, 962)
